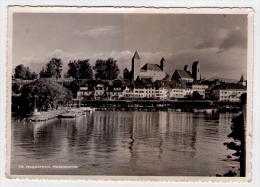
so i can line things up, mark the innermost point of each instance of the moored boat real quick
(71, 114)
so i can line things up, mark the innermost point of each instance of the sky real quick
(217, 41)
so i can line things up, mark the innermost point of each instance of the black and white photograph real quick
(129, 92)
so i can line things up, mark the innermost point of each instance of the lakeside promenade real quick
(202, 106)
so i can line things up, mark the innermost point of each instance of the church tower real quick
(162, 64)
(242, 81)
(196, 71)
(136, 65)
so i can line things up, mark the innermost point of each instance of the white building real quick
(229, 92)
(200, 88)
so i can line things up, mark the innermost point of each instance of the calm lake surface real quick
(125, 143)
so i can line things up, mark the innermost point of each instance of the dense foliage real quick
(80, 69)
(53, 69)
(22, 72)
(46, 93)
(106, 69)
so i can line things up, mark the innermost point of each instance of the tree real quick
(80, 69)
(34, 75)
(22, 72)
(85, 69)
(126, 73)
(196, 95)
(66, 75)
(106, 69)
(243, 98)
(53, 69)
(43, 73)
(16, 88)
(46, 93)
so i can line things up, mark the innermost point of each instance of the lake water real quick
(125, 143)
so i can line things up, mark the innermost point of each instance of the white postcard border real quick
(141, 10)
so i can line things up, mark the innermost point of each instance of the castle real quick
(157, 72)
(154, 71)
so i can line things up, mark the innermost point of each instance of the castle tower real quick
(136, 65)
(196, 71)
(162, 64)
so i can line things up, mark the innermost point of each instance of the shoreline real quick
(52, 114)
(44, 116)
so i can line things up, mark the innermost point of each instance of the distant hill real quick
(223, 79)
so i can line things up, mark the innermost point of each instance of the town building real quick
(100, 89)
(229, 92)
(114, 89)
(86, 89)
(199, 88)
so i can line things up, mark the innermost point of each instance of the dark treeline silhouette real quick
(78, 69)
(24, 73)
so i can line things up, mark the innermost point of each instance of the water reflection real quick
(126, 143)
(36, 138)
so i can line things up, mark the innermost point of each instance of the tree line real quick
(78, 69)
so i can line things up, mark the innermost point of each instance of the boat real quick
(86, 109)
(72, 114)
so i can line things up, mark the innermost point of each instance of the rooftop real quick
(230, 86)
(136, 55)
(184, 74)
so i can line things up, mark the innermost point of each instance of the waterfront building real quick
(99, 90)
(168, 89)
(157, 72)
(199, 88)
(86, 89)
(128, 92)
(177, 92)
(114, 89)
(229, 92)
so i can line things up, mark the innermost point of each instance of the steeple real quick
(242, 79)
(136, 65)
(136, 55)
